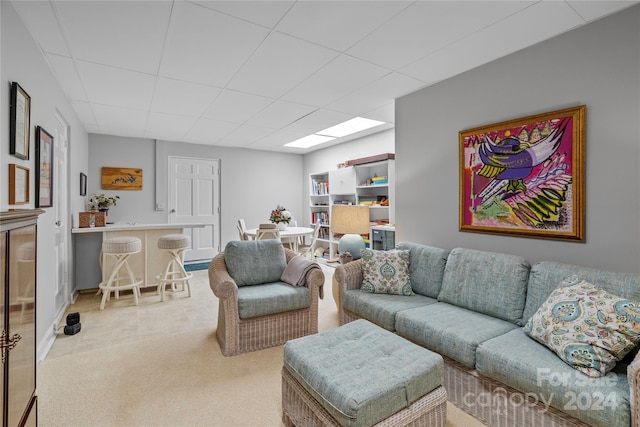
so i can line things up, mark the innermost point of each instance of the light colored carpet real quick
(177, 378)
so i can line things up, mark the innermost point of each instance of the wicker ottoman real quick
(361, 375)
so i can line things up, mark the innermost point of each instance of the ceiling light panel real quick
(309, 141)
(349, 127)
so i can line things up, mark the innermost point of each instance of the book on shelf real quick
(319, 188)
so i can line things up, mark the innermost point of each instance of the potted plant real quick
(280, 216)
(101, 202)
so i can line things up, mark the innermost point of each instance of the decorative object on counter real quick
(19, 111)
(345, 257)
(352, 221)
(121, 178)
(101, 202)
(91, 219)
(280, 216)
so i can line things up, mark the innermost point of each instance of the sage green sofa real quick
(470, 307)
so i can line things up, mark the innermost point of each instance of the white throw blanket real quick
(296, 272)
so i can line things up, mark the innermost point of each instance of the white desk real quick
(146, 265)
(293, 232)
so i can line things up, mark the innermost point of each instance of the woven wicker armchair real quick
(238, 335)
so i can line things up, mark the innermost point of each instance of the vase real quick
(281, 226)
(106, 214)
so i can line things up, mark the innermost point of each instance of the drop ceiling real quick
(260, 74)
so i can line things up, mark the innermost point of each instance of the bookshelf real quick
(369, 183)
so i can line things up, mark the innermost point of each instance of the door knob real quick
(173, 211)
(58, 223)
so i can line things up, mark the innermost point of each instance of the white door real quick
(194, 197)
(61, 206)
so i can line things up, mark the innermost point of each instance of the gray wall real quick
(597, 65)
(253, 182)
(22, 62)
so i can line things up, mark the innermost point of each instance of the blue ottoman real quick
(361, 375)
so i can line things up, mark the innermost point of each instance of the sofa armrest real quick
(349, 276)
(633, 377)
(221, 283)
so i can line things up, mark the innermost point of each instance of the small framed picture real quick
(83, 184)
(18, 185)
(19, 113)
(44, 165)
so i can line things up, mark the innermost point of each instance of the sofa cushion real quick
(522, 363)
(254, 262)
(386, 272)
(546, 276)
(588, 328)
(381, 309)
(270, 298)
(486, 282)
(452, 331)
(426, 267)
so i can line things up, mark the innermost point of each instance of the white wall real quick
(253, 182)
(22, 62)
(328, 158)
(597, 65)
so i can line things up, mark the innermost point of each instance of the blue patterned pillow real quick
(588, 328)
(386, 272)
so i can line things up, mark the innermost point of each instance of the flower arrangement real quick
(100, 201)
(280, 214)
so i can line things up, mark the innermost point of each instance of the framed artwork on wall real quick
(18, 185)
(19, 115)
(44, 168)
(525, 177)
(83, 184)
(121, 178)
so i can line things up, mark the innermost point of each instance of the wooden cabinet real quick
(18, 236)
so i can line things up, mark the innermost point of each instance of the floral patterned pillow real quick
(386, 272)
(588, 328)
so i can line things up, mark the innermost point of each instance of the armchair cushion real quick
(255, 262)
(271, 298)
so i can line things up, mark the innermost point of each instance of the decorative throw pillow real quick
(386, 272)
(588, 328)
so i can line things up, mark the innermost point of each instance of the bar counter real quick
(146, 265)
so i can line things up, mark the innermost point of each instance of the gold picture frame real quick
(18, 185)
(525, 177)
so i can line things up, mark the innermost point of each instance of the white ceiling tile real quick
(128, 34)
(280, 114)
(590, 10)
(120, 121)
(386, 113)
(207, 131)
(237, 107)
(318, 120)
(168, 126)
(281, 63)
(84, 112)
(182, 98)
(337, 24)
(491, 43)
(117, 87)
(207, 47)
(341, 76)
(377, 94)
(245, 135)
(265, 13)
(427, 26)
(41, 21)
(65, 71)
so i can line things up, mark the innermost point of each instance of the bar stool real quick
(120, 248)
(175, 245)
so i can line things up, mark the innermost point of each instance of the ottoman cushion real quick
(361, 373)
